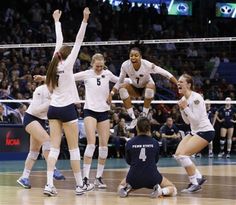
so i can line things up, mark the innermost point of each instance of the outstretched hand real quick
(39, 78)
(86, 13)
(57, 15)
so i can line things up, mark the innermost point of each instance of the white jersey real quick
(195, 114)
(96, 88)
(40, 102)
(142, 76)
(66, 92)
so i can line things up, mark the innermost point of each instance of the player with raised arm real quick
(142, 84)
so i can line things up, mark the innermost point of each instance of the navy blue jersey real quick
(169, 130)
(142, 154)
(227, 114)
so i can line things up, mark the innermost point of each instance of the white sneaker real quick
(124, 190)
(228, 156)
(221, 154)
(99, 183)
(132, 124)
(87, 186)
(50, 190)
(157, 191)
(79, 190)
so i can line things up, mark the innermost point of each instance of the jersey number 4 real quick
(142, 154)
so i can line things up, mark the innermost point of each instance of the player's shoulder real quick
(126, 64)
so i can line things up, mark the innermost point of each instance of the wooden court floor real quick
(220, 188)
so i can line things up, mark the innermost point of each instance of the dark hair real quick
(51, 76)
(189, 79)
(137, 46)
(143, 125)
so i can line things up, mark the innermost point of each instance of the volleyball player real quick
(211, 112)
(142, 154)
(138, 70)
(34, 123)
(193, 111)
(97, 105)
(226, 116)
(62, 113)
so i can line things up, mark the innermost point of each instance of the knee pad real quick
(183, 160)
(123, 93)
(149, 93)
(46, 146)
(54, 153)
(74, 154)
(33, 155)
(90, 148)
(102, 152)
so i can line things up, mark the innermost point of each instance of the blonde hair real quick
(98, 57)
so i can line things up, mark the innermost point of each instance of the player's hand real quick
(109, 99)
(57, 15)
(86, 13)
(39, 78)
(183, 104)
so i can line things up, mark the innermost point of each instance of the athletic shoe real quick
(228, 156)
(79, 190)
(192, 188)
(124, 191)
(99, 183)
(211, 155)
(87, 186)
(57, 175)
(157, 191)
(202, 180)
(132, 124)
(221, 154)
(50, 190)
(24, 182)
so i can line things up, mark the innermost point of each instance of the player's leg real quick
(90, 124)
(223, 132)
(103, 129)
(127, 91)
(230, 133)
(148, 97)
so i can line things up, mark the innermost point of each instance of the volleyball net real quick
(209, 60)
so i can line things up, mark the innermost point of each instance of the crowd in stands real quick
(30, 22)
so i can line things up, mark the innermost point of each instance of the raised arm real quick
(59, 37)
(79, 38)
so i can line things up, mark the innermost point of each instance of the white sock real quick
(86, 170)
(131, 113)
(100, 169)
(193, 179)
(26, 173)
(78, 179)
(145, 110)
(198, 174)
(50, 178)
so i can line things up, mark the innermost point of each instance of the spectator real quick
(170, 136)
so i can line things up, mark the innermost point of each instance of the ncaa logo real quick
(226, 9)
(182, 8)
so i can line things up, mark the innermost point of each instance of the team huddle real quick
(56, 101)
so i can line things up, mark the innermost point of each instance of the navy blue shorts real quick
(99, 116)
(64, 114)
(208, 136)
(227, 125)
(28, 118)
(148, 180)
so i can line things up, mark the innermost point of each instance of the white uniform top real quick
(195, 114)
(96, 88)
(40, 102)
(142, 76)
(66, 92)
